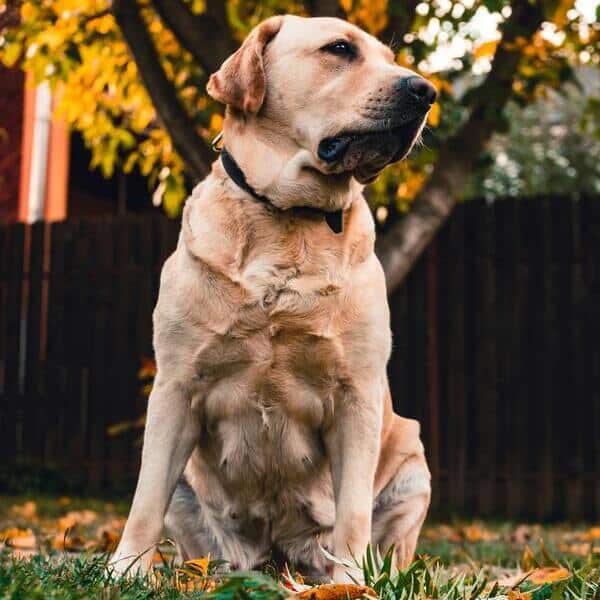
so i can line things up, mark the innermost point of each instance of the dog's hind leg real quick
(400, 507)
(397, 519)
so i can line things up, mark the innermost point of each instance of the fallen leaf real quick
(477, 533)
(521, 535)
(581, 549)
(513, 581)
(549, 575)
(517, 595)
(109, 540)
(336, 591)
(593, 533)
(528, 560)
(18, 538)
(199, 565)
(27, 510)
(443, 532)
(69, 540)
(76, 517)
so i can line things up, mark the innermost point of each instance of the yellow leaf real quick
(28, 11)
(11, 53)
(336, 591)
(528, 560)
(433, 118)
(486, 50)
(27, 510)
(199, 564)
(517, 595)
(593, 533)
(346, 5)
(549, 575)
(216, 123)
(18, 538)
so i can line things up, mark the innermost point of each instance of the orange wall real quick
(55, 203)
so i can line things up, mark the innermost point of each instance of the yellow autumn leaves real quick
(73, 531)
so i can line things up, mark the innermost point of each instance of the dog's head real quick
(331, 88)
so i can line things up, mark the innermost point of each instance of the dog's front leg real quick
(353, 448)
(170, 435)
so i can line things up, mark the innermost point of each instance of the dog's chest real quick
(272, 376)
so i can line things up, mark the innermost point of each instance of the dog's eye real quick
(340, 48)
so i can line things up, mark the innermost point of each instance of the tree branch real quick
(401, 16)
(207, 36)
(400, 247)
(190, 146)
(325, 8)
(11, 16)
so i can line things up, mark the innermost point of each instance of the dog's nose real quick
(419, 89)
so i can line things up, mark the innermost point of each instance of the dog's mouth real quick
(366, 153)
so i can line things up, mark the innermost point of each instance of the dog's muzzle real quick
(396, 124)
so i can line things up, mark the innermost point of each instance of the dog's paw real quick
(346, 574)
(126, 562)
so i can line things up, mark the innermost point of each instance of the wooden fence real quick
(496, 352)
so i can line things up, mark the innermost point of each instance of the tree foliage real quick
(153, 114)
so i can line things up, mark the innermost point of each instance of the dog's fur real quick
(270, 426)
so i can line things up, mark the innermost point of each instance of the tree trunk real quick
(402, 245)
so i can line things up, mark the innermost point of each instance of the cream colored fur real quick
(272, 337)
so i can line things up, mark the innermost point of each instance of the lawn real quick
(57, 548)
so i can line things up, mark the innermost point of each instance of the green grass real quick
(458, 561)
(86, 577)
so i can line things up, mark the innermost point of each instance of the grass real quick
(458, 561)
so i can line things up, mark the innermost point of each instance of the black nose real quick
(420, 89)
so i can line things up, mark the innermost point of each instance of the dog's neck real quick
(275, 167)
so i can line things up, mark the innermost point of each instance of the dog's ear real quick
(241, 80)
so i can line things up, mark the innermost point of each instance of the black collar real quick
(334, 219)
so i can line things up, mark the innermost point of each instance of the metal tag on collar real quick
(335, 220)
(214, 145)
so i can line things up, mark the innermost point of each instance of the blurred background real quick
(489, 234)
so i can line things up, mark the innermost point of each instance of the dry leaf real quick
(549, 575)
(27, 510)
(517, 595)
(521, 535)
(336, 591)
(528, 560)
(477, 533)
(199, 565)
(23, 539)
(69, 541)
(581, 549)
(109, 540)
(593, 533)
(76, 517)
(513, 580)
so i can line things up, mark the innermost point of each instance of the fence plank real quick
(33, 434)
(55, 361)
(11, 265)
(455, 308)
(590, 430)
(485, 362)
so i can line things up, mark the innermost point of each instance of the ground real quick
(57, 548)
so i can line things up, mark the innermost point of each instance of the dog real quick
(270, 429)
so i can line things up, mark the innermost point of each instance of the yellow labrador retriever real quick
(270, 428)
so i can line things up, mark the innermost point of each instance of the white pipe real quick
(39, 153)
